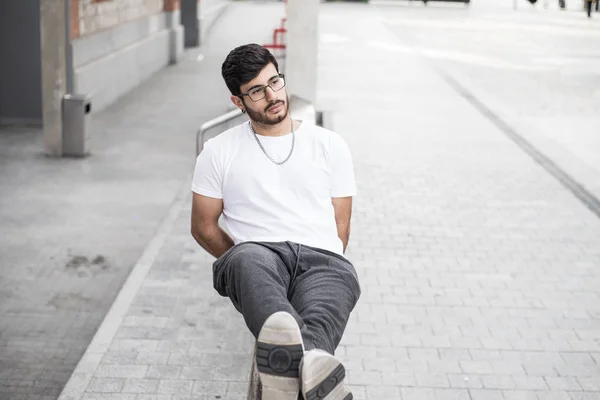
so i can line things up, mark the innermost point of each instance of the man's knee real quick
(247, 257)
(250, 252)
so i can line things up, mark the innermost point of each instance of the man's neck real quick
(282, 128)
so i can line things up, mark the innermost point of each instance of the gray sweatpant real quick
(319, 288)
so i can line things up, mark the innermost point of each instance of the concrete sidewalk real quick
(72, 229)
(479, 270)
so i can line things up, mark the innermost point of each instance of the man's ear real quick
(238, 103)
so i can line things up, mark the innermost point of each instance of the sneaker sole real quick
(331, 386)
(279, 350)
(279, 360)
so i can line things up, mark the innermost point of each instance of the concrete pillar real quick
(172, 11)
(302, 48)
(53, 44)
(191, 22)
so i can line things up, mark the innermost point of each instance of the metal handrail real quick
(300, 108)
(213, 123)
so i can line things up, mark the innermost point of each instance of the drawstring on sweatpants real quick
(295, 266)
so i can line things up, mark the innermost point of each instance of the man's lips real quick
(277, 107)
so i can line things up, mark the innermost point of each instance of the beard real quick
(264, 118)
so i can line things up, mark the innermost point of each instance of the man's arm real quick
(205, 225)
(343, 212)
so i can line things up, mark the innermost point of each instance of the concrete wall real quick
(122, 43)
(20, 71)
(96, 16)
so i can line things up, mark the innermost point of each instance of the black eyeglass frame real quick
(264, 89)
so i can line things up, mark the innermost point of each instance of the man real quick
(284, 189)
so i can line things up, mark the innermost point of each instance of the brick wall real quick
(172, 5)
(97, 15)
(74, 19)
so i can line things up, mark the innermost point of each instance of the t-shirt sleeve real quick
(207, 179)
(343, 183)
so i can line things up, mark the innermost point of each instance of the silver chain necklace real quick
(265, 151)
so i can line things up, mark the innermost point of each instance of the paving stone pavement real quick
(479, 270)
(539, 69)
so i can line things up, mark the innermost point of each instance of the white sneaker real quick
(279, 349)
(322, 377)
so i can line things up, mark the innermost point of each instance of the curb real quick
(98, 347)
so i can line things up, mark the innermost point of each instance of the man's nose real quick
(270, 93)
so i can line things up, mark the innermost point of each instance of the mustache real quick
(274, 104)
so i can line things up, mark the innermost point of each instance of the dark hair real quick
(244, 63)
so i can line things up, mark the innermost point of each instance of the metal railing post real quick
(213, 123)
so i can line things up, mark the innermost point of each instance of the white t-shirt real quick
(266, 202)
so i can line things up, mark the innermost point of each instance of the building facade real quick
(98, 48)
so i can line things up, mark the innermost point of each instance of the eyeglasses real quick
(260, 92)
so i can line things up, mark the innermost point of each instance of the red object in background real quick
(277, 33)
